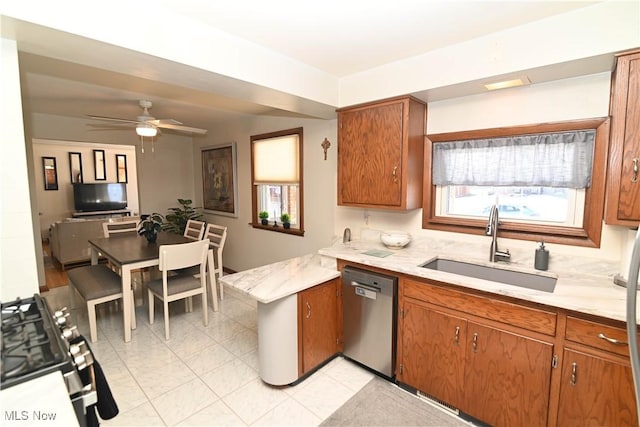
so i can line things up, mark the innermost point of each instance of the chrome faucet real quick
(492, 230)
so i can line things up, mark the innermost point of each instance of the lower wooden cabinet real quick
(597, 383)
(433, 352)
(452, 349)
(507, 377)
(493, 375)
(317, 325)
(596, 391)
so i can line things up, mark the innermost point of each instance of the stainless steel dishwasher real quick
(369, 316)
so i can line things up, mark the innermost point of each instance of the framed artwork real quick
(75, 167)
(99, 165)
(50, 173)
(121, 168)
(220, 179)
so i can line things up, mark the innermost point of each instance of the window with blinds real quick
(276, 179)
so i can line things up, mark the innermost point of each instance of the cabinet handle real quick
(611, 340)
(574, 373)
(308, 310)
(475, 342)
(457, 338)
(395, 174)
(634, 178)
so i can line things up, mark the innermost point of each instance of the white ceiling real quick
(343, 37)
(339, 37)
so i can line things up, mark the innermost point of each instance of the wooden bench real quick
(96, 284)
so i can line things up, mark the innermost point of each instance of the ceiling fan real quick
(147, 125)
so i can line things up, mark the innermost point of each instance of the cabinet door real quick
(433, 345)
(507, 377)
(318, 323)
(629, 203)
(370, 160)
(623, 191)
(595, 392)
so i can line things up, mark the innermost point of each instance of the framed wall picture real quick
(220, 179)
(121, 168)
(75, 167)
(99, 165)
(50, 172)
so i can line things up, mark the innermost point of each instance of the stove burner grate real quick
(28, 341)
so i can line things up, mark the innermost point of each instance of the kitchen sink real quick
(510, 277)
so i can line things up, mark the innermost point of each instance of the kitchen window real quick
(276, 176)
(548, 181)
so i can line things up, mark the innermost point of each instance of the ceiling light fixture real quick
(146, 130)
(520, 81)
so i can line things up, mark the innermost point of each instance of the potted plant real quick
(264, 217)
(177, 217)
(149, 226)
(286, 220)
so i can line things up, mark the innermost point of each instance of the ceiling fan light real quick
(146, 130)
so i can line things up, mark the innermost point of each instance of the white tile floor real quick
(204, 376)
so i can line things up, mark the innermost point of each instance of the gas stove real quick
(36, 341)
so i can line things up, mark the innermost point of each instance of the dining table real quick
(128, 252)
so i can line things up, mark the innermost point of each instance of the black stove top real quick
(31, 345)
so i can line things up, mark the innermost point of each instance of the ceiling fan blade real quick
(160, 122)
(183, 128)
(111, 126)
(113, 119)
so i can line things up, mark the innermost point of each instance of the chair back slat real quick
(217, 235)
(194, 229)
(110, 228)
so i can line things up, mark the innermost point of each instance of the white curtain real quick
(562, 159)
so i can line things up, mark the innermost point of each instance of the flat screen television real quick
(99, 197)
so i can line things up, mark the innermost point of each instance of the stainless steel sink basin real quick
(510, 277)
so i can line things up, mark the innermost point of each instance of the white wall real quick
(164, 170)
(576, 98)
(247, 247)
(55, 205)
(18, 266)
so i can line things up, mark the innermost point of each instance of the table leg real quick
(126, 301)
(212, 280)
(94, 256)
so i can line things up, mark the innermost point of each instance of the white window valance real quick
(562, 159)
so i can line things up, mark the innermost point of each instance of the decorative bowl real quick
(395, 239)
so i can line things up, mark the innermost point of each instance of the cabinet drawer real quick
(520, 316)
(597, 335)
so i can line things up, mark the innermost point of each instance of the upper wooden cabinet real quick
(380, 154)
(623, 183)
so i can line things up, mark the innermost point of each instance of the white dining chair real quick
(194, 229)
(217, 235)
(173, 287)
(119, 227)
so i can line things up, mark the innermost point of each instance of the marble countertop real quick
(584, 285)
(281, 279)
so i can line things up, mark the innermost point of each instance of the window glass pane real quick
(279, 199)
(542, 205)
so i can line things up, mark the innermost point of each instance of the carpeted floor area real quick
(381, 403)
